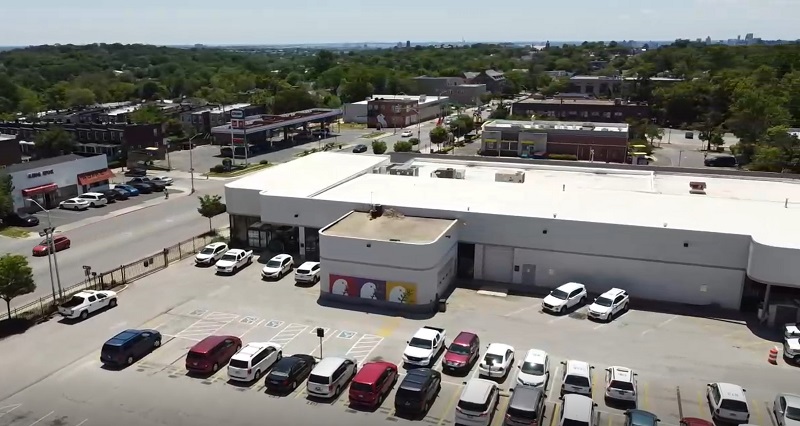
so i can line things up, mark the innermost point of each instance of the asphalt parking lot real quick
(674, 356)
(60, 217)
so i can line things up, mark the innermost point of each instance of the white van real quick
(253, 360)
(728, 403)
(95, 199)
(577, 378)
(330, 376)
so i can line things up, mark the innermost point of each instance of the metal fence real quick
(124, 274)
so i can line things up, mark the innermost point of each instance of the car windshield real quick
(75, 301)
(558, 294)
(207, 250)
(229, 258)
(577, 381)
(793, 413)
(274, 264)
(602, 301)
(490, 359)
(416, 342)
(533, 368)
(459, 349)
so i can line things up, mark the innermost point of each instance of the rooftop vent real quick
(517, 177)
(448, 173)
(697, 188)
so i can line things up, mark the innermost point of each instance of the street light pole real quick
(48, 234)
(191, 160)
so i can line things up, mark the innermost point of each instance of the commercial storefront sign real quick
(40, 173)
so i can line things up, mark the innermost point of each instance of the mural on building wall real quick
(366, 288)
(401, 292)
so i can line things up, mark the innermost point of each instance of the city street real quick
(118, 239)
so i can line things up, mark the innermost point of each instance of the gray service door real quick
(528, 274)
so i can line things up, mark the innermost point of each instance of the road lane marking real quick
(251, 328)
(518, 311)
(700, 401)
(554, 421)
(84, 421)
(289, 333)
(363, 347)
(759, 413)
(552, 383)
(43, 417)
(661, 324)
(451, 405)
(9, 408)
(207, 326)
(320, 344)
(644, 396)
(559, 318)
(389, 326)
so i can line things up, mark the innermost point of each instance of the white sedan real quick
(406, 134)
(164, 180)
(497, 360)
(74, 204)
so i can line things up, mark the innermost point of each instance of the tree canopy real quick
(16, 278)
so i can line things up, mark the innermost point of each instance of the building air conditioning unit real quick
(517, 177)
(698, 188)
(380, 170)
(404, 171)
(449, 173)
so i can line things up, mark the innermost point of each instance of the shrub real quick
(565, 157)
(414, 141)
(379, 147)
(219, 168)
(403, 146)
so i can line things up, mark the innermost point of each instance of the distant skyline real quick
(354, 21)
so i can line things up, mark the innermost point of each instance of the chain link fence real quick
(124, 274)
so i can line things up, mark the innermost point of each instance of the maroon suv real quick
(372, 384)
(462, 353)
(211, 353)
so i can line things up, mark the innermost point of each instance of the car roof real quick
(96, 194)
(731, 391)
(614, 292)
(280, 256)
(477, 390)
(416, 378)
(124, 336)
(535, 355)
(525, 397)
(308, 265)
(791, 399)
(77, 199)
(328, 365)
(252, 349)
(371, 371)
(498, 348)
(641, 417)
(623, 374)
(215, 245)
(87, 293)
(426, 333)
(694, 421)
(465, 338)
(577, 367)
(577, 407)
(235, 251)
(570, 286)
(208, 343)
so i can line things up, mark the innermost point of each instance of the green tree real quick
(500, 113)
(174, 127)
(210, 206)
(355, 91)
(293, 100)
(16, 278)
(654, 132)
(462, 125)
(78, 97)
(53, 142)
(403, 146)
(148, 114)
(413, 141)
(6, 201)
(777, 151)
(379, 147)
(439, 135)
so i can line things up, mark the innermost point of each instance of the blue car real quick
(128, 346)
(129, 189)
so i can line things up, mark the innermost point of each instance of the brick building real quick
(581, 107)
(10, 152)
(604, 142)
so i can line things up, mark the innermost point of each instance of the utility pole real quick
(48, 234)
(191, 160)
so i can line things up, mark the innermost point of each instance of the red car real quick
(372, 384)
(60, 243)
(693, 421)
(462, 353)
(211, 353)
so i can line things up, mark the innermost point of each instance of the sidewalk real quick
(119, 175)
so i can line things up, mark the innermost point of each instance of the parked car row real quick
(229, 261)
(605, 307)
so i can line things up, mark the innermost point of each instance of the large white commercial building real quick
(405, 232)
(51, 180)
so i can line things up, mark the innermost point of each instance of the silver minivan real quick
(330, 376)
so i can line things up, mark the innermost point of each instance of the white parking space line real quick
(42, 418)
(364, 346)
(519, 311)
(558, 318)
(289, 333)
(258, 323)
(207, 326)
(599, 326)
(552, 385)
(9, 408)
(328, 336)
(84, 421)
(661, 324)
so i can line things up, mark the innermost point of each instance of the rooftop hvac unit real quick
(443, 173)
(404, 171)
(517, 177)
(380, 170)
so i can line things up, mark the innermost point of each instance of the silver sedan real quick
(787, 409)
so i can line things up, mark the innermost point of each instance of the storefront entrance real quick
(45, 195)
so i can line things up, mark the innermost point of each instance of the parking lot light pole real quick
(48, 234)
(191, 160)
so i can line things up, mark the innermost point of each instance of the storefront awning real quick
(95, 176)
(41, 189)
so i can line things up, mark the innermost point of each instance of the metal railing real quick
(121, 275)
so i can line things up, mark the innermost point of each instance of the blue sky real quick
(305, 21)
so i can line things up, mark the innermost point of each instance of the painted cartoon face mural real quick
(372, 289)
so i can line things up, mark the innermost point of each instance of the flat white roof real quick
(428, 99)
(637, 198)
(123, 110)
(308, 175)
(227, 108)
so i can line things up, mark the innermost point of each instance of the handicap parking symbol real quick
(274, 323)
(198, 312)
(346, 335)
(248, 320)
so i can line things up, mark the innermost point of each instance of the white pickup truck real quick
(423, 347)
(87, 302)
(233, 260)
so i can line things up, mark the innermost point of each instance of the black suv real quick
(416, 393)
(128, 346)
